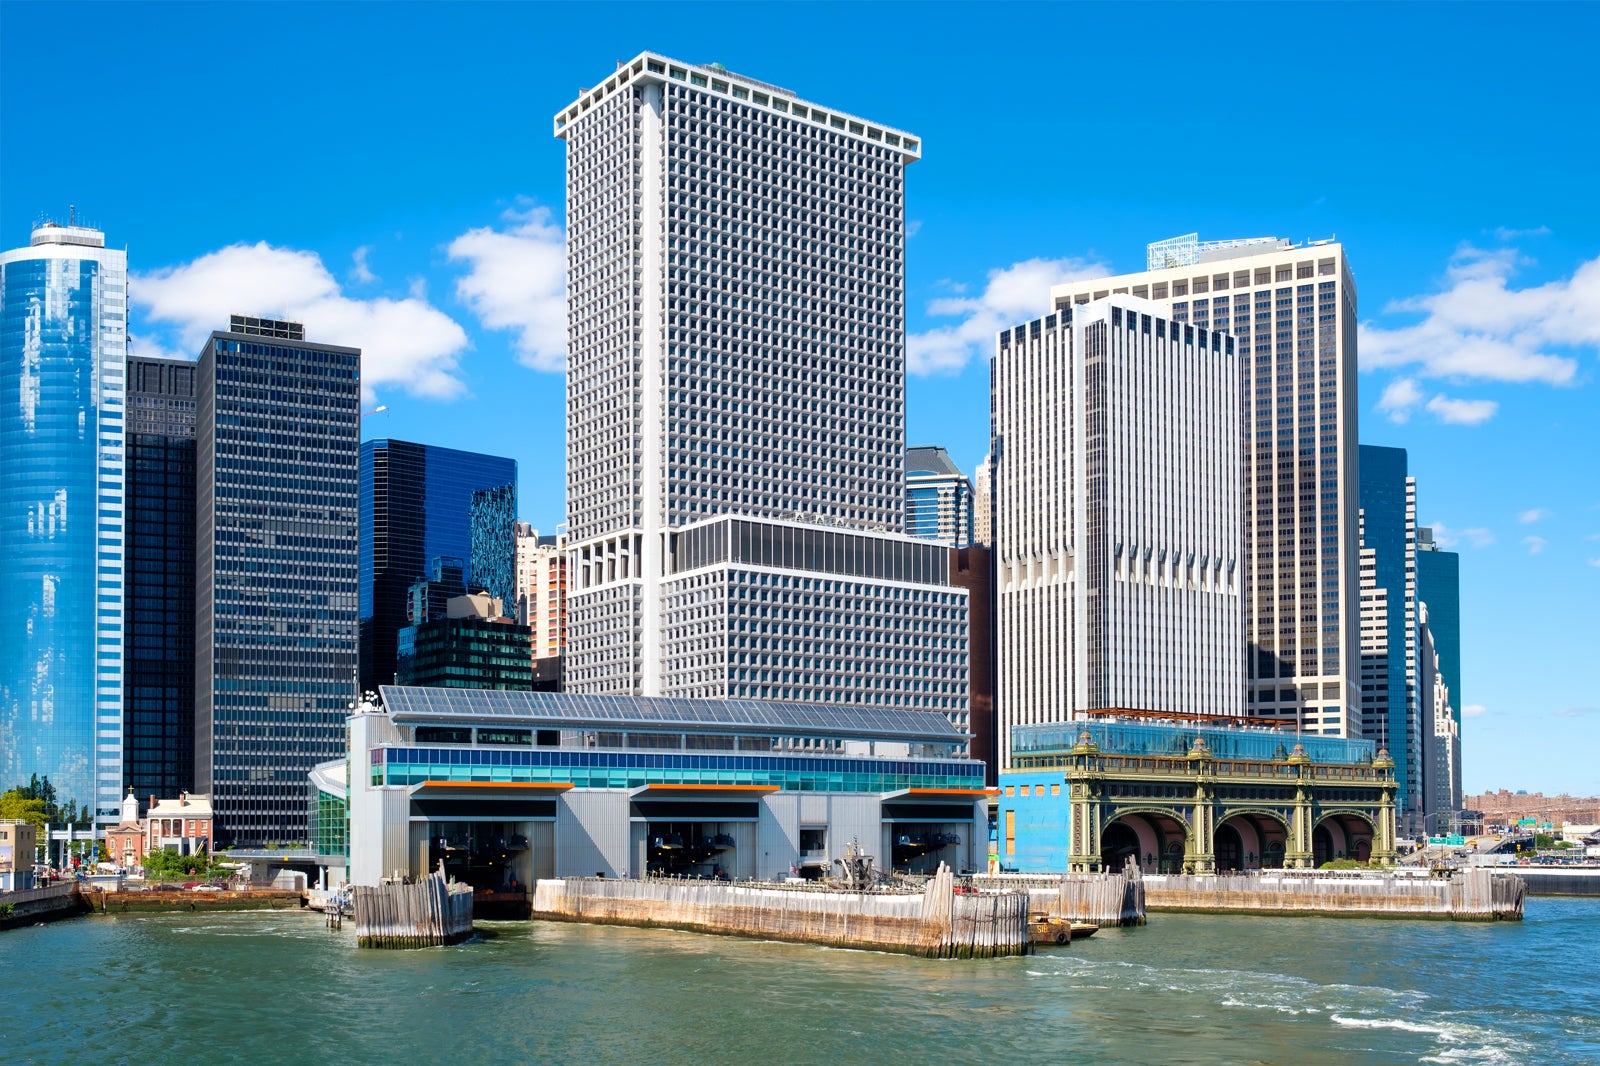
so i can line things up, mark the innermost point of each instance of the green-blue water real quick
(278, 987)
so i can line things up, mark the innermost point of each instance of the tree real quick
(166, 864)
(16, 806)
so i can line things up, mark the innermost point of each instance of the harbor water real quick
(1194, 989)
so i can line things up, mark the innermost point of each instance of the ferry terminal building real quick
(505, 788)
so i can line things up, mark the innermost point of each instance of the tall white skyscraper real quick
(1292, 310)
(1117, 516)
(63, 392)
(736, 347)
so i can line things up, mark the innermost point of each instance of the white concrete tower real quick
(1292, 310)
(736, 347)
(1117, 516)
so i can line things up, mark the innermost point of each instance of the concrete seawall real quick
(1470, 895)
(1558, 882)
(936, 923)
(48, 904)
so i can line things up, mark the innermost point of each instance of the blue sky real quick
(387, 173)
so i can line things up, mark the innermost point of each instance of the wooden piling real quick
(428, 913)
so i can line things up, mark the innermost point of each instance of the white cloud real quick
(1462, 412)
(1473, 710)
(1504, 233)
(1480, 328)
(361, 272)
(913, 227)
(1403, 395)
(1399, 398)
(1594, 563)
(518, 281)
(1014, 294)
(1535, 514)
(1535, 544)
(1446, 537)
(407, 342)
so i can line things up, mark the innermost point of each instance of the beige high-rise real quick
(1292, 310)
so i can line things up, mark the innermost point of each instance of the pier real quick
(427, 914)
(937, 922)
(1477, 895)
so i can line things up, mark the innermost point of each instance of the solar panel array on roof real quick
(574, 709)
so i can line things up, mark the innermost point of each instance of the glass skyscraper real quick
(158, 688)
(63, 363)
(278, 442)
(416, 502)
(1389, 530)
(938, 498)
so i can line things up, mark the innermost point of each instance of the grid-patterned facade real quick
(158, 634)
(277, 570)
(415, 505)
(1117, 516)
(492, 517)
(1292, 311)
(736, 328)
(63, 363)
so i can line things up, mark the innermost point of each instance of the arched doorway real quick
(1116, 844)
(1156, 839)
(1230, 848)
(1261, 840)
(1345, 835)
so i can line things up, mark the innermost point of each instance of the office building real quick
(277, 567)
(736, 402)
(63, 365)
(983, 503)
(1117, 494)
(1439, 586)
(1292, 310)
(471, 645)
(938, 498)
(542, 596)
(1393, 714)
(492, 523)
(158, 630)
(1441, 735)
(507, 787)
(416, 502)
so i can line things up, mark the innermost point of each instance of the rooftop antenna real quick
(72, 214)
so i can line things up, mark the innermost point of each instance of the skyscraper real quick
(1395, 716)
(63, 363)
(736, 325)
(983, 503)
(492, 518)
(416, 502)
(1292, 310)
(938, 498)
(1439, 586)
(158, 689)
(278, 427)
(1117, 516)
(542, 596)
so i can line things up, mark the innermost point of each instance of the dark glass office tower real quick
(277, 430)
(1439, 586)
(1389, 523)
(416, 501)
(158, 576)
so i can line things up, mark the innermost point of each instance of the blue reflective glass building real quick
(1439, 586)
(1389, 524)
(416, 501)
(277, 448)
(63, 362)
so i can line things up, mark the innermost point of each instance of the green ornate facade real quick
(1222, 800)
